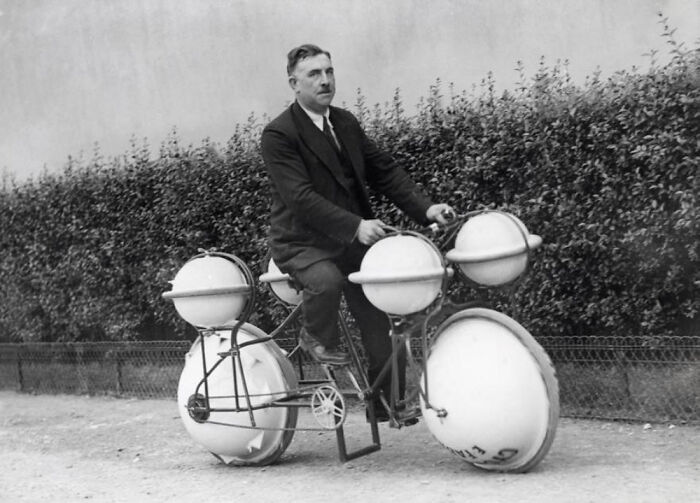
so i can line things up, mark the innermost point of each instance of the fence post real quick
(20, 374)
(118, 366)
(623, 364)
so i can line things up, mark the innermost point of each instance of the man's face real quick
(313, 82)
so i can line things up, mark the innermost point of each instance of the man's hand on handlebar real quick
(370, 231)
(440, 213)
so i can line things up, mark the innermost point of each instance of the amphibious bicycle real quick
(483, 386)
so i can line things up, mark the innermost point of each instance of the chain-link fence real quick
(144, 369)
(641, 378)
(630, 378)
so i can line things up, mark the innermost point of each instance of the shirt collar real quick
(317, 118)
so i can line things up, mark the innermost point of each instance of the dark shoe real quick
(408, 418)
(402, 416)
(320, 353)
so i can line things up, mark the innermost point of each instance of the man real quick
(320, 162)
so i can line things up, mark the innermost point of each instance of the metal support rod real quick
(343, 453)
(394, 394)
(237, 357)
(233, 353)
(245, 390)
(204, 370)
(354, 355)
(424, 367)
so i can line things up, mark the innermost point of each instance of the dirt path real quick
(71, 448)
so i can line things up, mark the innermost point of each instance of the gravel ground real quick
(74, 448)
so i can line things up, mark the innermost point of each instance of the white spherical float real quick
(209, 290)
(279, 284)
(231, 436)
(401, 274)
(492, 391)
(492, 248)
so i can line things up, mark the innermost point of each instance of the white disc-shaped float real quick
(269, 376)
(492, 248)
(279, 283)
(492, 390)
(209, 291)
(401, 274)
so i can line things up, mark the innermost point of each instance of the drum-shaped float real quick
(209, 291)
(279, 284)
(492, 390)
(269, 376)
(492, 248)
(401, 274)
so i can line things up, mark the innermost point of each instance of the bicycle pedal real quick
(405, 418)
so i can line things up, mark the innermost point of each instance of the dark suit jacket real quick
(309, 219)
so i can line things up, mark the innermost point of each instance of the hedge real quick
(606, 172)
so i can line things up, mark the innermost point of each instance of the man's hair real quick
(302, 52)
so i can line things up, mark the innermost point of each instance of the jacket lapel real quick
(317, 143)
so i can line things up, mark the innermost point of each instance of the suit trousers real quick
(323, 284)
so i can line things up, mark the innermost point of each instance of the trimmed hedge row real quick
(606, 172)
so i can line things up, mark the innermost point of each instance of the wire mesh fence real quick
(142, 369)
(641, 378)
(629, 378)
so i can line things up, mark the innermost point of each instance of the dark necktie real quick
(329, 134)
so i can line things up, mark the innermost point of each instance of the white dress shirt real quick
(317, 119)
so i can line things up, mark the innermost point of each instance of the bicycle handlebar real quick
(435, 227)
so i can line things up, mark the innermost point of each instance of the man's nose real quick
(325, 78)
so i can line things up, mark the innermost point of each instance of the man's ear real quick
(292, 82)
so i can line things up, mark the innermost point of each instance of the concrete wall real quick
(76, 72)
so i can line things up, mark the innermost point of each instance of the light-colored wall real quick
(76, 72)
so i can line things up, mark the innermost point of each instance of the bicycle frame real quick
(402, 330)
